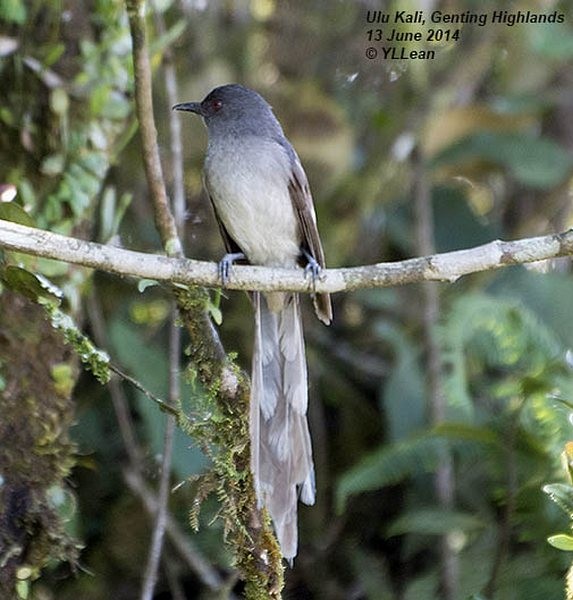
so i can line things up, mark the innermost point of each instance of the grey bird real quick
(264, 208)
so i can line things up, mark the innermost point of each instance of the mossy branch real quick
(249, 536)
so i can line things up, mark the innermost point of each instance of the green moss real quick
(36, 452)
(94, 359)
(220, 425)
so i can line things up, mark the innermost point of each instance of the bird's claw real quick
(225, 265)
(312, 269)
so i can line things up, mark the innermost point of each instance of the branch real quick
(206, 573)
(151, 572)
(249, 534)
(171, 228)
(149, 149)
(185, 549)
(448, 266)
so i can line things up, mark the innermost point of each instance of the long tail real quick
(281, 451)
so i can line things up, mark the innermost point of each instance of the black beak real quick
(194, 107)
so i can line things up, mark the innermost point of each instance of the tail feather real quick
(281, 450)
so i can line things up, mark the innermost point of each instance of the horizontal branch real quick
(448, 266)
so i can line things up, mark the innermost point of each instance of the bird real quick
(264, 208)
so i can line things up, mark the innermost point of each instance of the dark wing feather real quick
(310, 241)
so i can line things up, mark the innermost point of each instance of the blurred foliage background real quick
(488, 122)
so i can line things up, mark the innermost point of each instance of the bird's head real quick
(232, 107)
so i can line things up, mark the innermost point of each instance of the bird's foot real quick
(225, 265)
(311, 269)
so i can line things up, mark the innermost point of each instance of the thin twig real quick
(175, 587)
(448, 266)
(174, 332)
(175, 142)
(156, 547)
(207, 575)
(155, 550)
(161, 403)
(205, 572)
(150, 150)
(444, 477)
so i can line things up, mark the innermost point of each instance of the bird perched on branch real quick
(264, 208)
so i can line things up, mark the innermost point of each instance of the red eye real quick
(216, 105)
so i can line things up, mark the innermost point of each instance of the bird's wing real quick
(310, 241)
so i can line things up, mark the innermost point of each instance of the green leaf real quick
(562, 495)
(389, 465)
(59, 101)
(29, 284)
(94, 163)
(54, 53)
(112, 212)
(434, 522)
(143, 284)
(116, 106)
(23, 586)
(86, 178)
(470, 433)
(11, 211)
(216, 314)
(562, 541)
(170, 36)
(26, 192)
(98, 98)
(538, 162)
(13, 11)
(6, 115)
(53, 165)
(108, 208)
(76, 181)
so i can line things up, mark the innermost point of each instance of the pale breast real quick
(248, 182)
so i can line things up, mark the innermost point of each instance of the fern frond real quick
(391, 464)
(484, 331)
